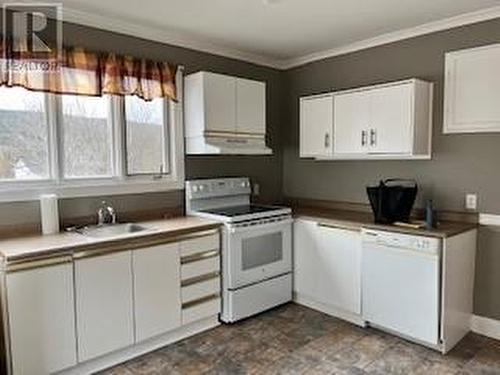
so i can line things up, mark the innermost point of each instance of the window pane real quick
(144, 133)
(24, 151)
(87, 143)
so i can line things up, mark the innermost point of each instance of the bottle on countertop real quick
(430, 215)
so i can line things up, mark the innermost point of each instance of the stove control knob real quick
(195, 188)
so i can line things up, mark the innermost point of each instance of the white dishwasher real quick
(401, 284)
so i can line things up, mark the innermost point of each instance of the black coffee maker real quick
(392, 200)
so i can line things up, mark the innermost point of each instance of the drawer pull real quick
(200, 256)
(200, 301)
(41, 263)
(333, 226)
(200, 279)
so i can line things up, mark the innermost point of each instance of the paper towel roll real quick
(50, 213)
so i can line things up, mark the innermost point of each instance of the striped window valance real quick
(81, 72)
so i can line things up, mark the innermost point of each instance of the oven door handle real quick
(236, 229)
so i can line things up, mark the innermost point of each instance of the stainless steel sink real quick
(112, 230)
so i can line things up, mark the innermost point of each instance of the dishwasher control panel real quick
(402, 241)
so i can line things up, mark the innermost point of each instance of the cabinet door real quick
(104, 304)
(351, 121)
(391, 117)
(472, 90)
(339, 268)
(41, 319)
(220, 102)
(327, 265)
(157, 287)
(316, 126)
(305, 259)
(250, 106)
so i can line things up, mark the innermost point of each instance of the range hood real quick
(227, 143)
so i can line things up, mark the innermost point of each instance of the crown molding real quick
(427, 28)
(179, 39)
(163, 35)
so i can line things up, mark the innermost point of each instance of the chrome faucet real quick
(106, 214)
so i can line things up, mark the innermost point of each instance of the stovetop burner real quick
(240, 210)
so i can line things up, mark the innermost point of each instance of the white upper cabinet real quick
(472, 90)
(351, 122)
(388, 121)
(316, 126)
(391, 120)
(41, 319)
(250, 107)
(220, 103)
(224, 115)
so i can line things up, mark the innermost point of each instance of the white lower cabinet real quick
(82, 312)
(41, 319)
(327, 266)
(104, 304)
(157, 292)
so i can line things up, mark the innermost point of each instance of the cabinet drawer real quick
(202, 310)
(200, 290)
(200, 244)
(200, 267)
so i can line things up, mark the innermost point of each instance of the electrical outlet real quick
(471, 202)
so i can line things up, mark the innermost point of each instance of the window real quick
(24, 150)
(87, 136)
(146, 132)
(77, 145)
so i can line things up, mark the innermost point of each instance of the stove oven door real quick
(258, 252)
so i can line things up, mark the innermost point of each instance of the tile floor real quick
(296, 340)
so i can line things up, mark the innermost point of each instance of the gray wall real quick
(265, 170)
(461, 163)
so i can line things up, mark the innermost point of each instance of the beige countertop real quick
(33, 247)
(355, 220)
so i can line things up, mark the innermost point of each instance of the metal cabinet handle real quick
(373, 139)
(363, 138)
(327, 140)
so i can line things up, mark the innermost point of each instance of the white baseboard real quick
(489, 219)
(304, 300)
(485, 326)
(126, 354)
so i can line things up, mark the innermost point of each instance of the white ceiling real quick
(273, 32)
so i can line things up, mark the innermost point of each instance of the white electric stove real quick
(256, 245)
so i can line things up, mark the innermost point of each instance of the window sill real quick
(28, 191)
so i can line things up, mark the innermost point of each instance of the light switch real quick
(471, 202)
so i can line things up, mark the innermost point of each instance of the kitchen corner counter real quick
(356, 220)
(35, 247)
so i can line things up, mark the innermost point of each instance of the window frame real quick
(166, 146)
(120, 182)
